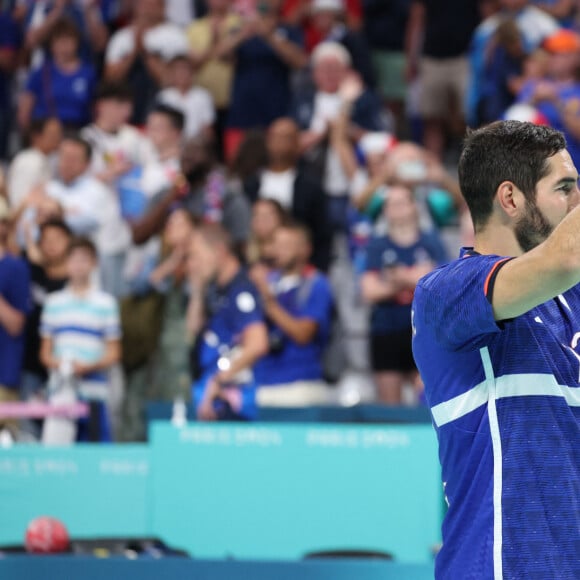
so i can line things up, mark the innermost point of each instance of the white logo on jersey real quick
(245, 302)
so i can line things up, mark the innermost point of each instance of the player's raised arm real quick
(527, 214)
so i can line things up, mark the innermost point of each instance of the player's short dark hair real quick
(83, 143)
(81, 243)
(175, 117)
(297, 227)
(504, 151)
(216, 234)
(55, 223)
(114, 90)
(181, 58)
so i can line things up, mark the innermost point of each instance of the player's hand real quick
(351, 88)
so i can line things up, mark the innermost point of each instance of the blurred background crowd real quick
(231, 201)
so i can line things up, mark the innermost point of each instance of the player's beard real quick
(532, 228)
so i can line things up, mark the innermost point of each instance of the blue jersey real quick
(505, 401)
(229, 311)
(15, 290)
(394, 315)
(308, 297)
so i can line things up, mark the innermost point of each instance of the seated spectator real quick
(10, 43)
(285, 181)
(193, 101)
(214, 74)
(267, 216)
(63, 86)
(327, 24)
(80, 328)
(226, 320)
(42, 16)
(298, 305)
(395, 263)
(48, 273)
(139, 52)
(33, 166)
(266, 51)
(557, 95)
(14, 301)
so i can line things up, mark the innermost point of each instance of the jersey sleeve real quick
(18, 294)
(455, 302)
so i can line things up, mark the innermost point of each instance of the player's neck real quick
(499, 240)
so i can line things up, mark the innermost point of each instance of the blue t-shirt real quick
(67, 96)
(306, 297)
(15, 290)
(505, 401)
(229, 311)
(568, 95)
(382, 253)
(261, 90)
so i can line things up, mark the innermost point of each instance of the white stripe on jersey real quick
(517, 385)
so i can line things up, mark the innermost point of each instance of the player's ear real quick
(510, 199)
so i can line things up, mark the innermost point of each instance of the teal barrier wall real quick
(277, 492)
(251, 491)
(95, 490)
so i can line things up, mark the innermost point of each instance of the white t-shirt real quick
(166, 39)
(278, 186)
(29, 168)
(180, 12)
(128, 143)
(196, 105)
(91, 208)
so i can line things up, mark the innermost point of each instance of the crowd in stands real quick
(206, 200)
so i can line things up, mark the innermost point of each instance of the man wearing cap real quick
(14, 301)
(557, 97)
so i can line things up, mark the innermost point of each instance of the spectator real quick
(384, 29)
(298, 305)
(10, 42)
(193, 101)
(116, 146)
(226, 320)
(327, 24)
(63, 86)
(80, 327)
(43, 16)
(35, 165)
(183, 12)
(14, 299)
(557, 96)
(48, 273)
(534, 26)
(267, 216)
(438, 36)
(336, 88)
(203, 189)
(285, 181)
(266, 52)
(139, 52)
(395, 263)
(214, 74)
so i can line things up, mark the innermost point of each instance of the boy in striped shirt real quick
(80, 329)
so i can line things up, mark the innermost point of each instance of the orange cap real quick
(562, 42)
